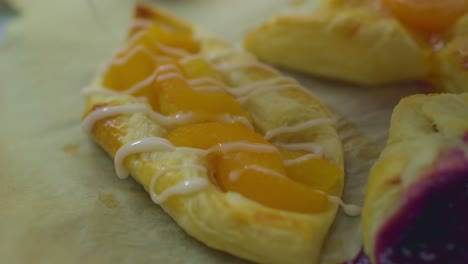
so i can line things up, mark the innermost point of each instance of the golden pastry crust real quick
(422, 127)
(226, 220)
(358, 42)
(346, 43)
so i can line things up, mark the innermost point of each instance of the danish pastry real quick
(371, 42)
(242, 158)
(415, 206)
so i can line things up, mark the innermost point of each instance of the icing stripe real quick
(164, 48)
(309, 147)
(241, 65)
(348, 209)
(242, 145)
(260, 90)
(149, 144)
(298, 127)
(185, 187)
(243, 90)
(104, 112)
(142, 145)
(301, 159)
(207, 81)
(190, 57)
(155, 75)
(235, 174)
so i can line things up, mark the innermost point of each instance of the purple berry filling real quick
(431, 225)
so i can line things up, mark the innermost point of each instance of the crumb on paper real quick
(109, 200)
(71, 148)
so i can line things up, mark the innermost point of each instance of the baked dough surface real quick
(422, 127)
(355, 42)
(226, 220)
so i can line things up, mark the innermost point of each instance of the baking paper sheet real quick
(60, 201)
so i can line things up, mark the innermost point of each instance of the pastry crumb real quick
(71, 148)
(109, 200)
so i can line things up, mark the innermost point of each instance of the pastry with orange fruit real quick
(242, 158)
(372, 42)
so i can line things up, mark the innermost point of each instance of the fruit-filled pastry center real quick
(203, 114)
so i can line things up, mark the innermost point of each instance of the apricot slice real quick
(124, 72)
(176, 95)
(145, 40)
(148, 88)
(323, 175)
(173, 39)
(199, 68)
(430, 16)
(268, 185)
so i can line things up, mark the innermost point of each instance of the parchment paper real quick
(60, 201)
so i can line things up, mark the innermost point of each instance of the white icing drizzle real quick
(189, 58)
(166, 67)
(348, 209)
(309, 147)
(234, 175)
(261, 90)
(241, 65)
(149, 144)
(301, 159)
(204, 84)
(171, 50)
(165, 49)
(228, 118)
(104, 112)
(299, 127)
(207, 81)
(142, 145)
(131, 53)
(207, 88)
(243, 90)
(240, 146)
(185, 187)
(156, 74)
(171, 75)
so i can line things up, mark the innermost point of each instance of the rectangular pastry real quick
(243, 158)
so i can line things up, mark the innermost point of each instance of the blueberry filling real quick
(431, 225)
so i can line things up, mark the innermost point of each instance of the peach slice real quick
(430, 16)
(324, 175)
(124, 72)
(173, 39)
(145, 40)
(176, 95)
(267, 186)
(199, 68)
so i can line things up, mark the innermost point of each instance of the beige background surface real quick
(59, 198)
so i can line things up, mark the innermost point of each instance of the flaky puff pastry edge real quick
(337, 41)
(352, 41)
(225, 220)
